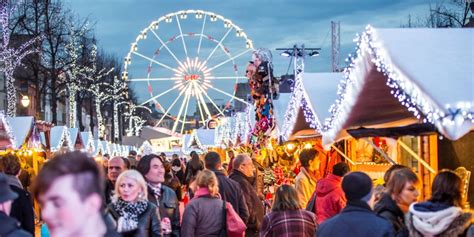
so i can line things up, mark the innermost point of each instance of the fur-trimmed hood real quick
(428, 211)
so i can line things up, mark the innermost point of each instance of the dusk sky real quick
(269, 24)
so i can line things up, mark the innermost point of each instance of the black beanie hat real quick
(356, 185)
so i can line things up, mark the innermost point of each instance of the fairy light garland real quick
(402, 88)
(7, 128)
(10, 58)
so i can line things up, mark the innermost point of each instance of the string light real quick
(8, 130)
(10, 58)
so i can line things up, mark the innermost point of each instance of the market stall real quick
(88, 141)
(397, 86)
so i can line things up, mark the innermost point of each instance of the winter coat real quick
(148, 221)
(330, 199)
(168, 206)
(203, 216)
(297, 223)
(356, 219)
(10, 227)
(305, 186)
(109, 190)
(22, 209)
(254, 203)
(388, 209)
(192, 168)
(231, 192)
(437, 219)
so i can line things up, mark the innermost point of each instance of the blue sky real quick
(269, 24)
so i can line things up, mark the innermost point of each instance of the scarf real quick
(431, 223)
(128, 212)
(156, 191)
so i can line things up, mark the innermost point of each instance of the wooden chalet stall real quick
(403, 91)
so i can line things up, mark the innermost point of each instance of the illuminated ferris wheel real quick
(188, 64)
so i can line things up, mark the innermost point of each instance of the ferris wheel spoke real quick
(182, 37)
(231, 96)
(154, 61)
(185, 114)
(218, 44)
(155, 79)
(166, 47)
(171, 106)
(225, 78)
(186, 97)
(202, 32)
(209, 98)
(204, 105)
(226, 61)
(159, 95)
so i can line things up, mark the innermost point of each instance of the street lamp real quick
(25, 101)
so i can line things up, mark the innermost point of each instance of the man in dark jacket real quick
(243, 173)
(115, 166)
(22, 207)
(357, 218)
(9, 226)
(229, 190)
(152, 168)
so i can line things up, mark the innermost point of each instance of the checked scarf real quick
(128, 212)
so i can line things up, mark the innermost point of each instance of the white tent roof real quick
(7, 140)
(20, 128)
(204, 137)
(407, 76)
(73, 135)
(148, 133)
(59, 135)
(87, 140)
(185, 142)
(279, 108)
(98, 147)
(132, 140)
(318, 92)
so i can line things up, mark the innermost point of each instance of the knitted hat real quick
(356, 185)
(6, 193)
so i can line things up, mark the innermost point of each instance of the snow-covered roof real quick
(407, 76)
(88, 141)
(7, 140)
(73, 136)
(317, 92)
(21, 127)
(59, 135)
(148, 133)
(204, 137)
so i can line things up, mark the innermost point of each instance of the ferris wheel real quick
(188, 62)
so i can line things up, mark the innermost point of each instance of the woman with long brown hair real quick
(287, 217)
(401, 191)
(441, 215)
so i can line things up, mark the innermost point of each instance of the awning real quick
(132, 141)
(406, 76)
(149, 133)
(305, 115)
(73, 136)
(59, 137)
(204, 138)
(7, 140)
(88, 141)
(21, 128)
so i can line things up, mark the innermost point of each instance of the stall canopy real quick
(59, 137)
(75, 137)
(203, 138)
(6, 136)
(279, 108)
(132, 141)
(149, 133)
(318, 91)
(21, 128)
(402, 77)
(88, 141)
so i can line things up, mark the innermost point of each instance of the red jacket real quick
(330, 199)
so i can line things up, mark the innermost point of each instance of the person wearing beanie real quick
(357, 218)
(10, 226)
(330, 199)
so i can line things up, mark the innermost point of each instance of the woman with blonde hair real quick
(204, 215)
(287, 217)
(130, 208)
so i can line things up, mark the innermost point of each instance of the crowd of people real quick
(156, 195)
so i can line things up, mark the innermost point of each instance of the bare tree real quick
(444, 14)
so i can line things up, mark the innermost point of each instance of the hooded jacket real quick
(330, 199)
(436, 219)
(10, 227)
